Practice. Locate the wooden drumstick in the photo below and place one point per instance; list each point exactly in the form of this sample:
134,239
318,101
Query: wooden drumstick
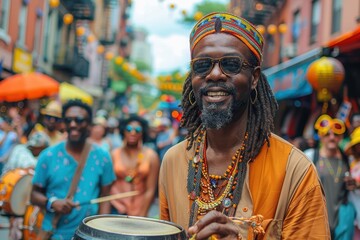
110,197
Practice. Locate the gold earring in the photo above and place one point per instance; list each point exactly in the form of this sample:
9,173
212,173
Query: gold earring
255,99
192,102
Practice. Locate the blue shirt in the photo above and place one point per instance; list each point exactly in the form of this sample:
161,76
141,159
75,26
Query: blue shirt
54,172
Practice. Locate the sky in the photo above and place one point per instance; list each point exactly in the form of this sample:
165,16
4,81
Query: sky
169,38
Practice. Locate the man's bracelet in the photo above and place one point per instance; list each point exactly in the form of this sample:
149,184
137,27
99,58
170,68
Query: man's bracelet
49,203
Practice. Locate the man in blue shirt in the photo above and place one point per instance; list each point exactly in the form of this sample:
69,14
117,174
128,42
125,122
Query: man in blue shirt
55,170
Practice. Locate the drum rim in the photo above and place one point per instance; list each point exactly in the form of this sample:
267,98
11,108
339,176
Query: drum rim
84,228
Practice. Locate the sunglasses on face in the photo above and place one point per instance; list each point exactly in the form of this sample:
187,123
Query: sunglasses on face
229,65
137,129
78,120
49,118
325,123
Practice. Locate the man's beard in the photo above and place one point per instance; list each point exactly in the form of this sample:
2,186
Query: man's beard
215,117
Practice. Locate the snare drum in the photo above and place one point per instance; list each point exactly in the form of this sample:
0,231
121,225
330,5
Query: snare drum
33,219
15,189
127,227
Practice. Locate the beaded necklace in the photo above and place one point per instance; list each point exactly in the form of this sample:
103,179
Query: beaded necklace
201,185
131,173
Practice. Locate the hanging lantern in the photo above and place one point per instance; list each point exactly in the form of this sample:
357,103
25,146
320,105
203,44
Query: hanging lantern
68,18
119,60
54,3
271,29
326,76
282,28
80,31
109,55
261,29
100,49
198,16
91,38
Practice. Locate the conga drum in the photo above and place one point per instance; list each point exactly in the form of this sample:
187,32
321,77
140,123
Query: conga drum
15,188
113,227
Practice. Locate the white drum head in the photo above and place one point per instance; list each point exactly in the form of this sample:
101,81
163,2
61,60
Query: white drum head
133,226
21,195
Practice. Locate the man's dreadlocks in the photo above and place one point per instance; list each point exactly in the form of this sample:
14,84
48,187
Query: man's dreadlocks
260,121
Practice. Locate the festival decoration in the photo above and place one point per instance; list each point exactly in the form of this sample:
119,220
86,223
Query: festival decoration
54,3
326,76
68,18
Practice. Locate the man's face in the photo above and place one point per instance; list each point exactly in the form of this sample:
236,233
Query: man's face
222,97
36,150
77,124
331,140
51,122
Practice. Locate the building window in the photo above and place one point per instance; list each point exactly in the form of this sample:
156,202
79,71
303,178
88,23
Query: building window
295,31
4,14
336,15
315,20
22,25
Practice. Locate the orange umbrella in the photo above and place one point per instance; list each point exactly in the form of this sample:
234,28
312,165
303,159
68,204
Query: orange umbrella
27,86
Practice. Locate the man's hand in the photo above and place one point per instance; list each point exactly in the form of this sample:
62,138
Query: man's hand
63,206
217,225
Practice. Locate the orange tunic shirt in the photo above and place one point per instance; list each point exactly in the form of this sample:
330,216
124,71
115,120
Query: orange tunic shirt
303,216
129,205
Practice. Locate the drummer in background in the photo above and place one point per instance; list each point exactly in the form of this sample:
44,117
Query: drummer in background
136,167
56,168
51,122
24,156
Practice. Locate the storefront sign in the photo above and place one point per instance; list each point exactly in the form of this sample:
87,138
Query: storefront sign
22,61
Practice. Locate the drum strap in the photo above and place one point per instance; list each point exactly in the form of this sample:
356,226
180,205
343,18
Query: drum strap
76,178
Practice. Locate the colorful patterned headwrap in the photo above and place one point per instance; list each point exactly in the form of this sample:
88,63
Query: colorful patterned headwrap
236,26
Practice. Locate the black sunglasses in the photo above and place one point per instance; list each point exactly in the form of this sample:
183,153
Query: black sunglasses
229,65
129,128
49,118
78,120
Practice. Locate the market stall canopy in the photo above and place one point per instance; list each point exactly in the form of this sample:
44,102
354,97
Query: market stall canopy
23,86
347,42
69,91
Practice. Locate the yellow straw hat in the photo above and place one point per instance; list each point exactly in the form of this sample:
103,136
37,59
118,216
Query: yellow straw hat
354,139
53,108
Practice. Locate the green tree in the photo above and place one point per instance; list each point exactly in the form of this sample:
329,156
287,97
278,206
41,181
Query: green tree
205,7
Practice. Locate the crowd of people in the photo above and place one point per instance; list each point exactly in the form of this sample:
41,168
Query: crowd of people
123,157
228,176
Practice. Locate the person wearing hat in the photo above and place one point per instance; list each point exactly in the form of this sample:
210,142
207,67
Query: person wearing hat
332,165
24,156
113,133
233,178
51,120
353,151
